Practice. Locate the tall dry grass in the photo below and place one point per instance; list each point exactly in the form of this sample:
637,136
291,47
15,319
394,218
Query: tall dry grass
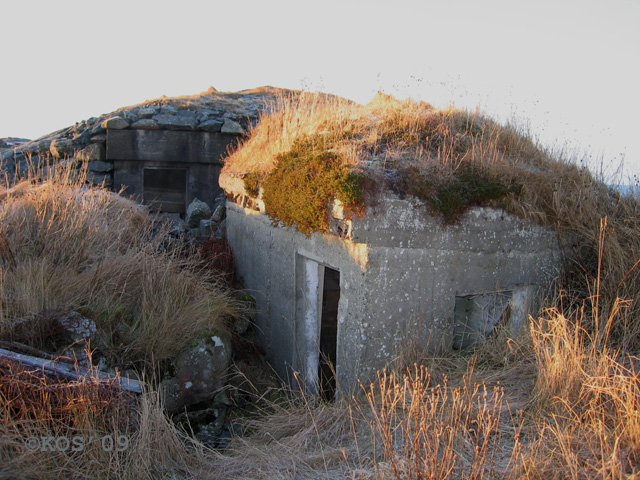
86,429
67,246
436,431
387,134
588,397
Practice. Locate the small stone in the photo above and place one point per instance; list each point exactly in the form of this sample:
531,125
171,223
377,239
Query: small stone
129,116
82,139
99,166
204,115
187,113
196,211
60,147
168,110
148,112
231,126
218,213
98,179
99,138
44,145
97,129
146,124
211,126
115,123
205,228
95,151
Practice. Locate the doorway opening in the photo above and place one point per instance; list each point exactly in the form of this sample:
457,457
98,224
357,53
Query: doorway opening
317,304
329,334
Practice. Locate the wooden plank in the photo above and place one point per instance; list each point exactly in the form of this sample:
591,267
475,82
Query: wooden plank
71,372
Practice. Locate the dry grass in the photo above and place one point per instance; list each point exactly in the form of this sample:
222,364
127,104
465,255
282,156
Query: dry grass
85,429
436,432
298,440
588,395
561,402
65,246
390,135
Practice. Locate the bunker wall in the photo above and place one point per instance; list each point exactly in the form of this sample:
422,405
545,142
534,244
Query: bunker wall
399,278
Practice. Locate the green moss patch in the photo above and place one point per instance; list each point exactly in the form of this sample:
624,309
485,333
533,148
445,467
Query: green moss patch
469,186
303,185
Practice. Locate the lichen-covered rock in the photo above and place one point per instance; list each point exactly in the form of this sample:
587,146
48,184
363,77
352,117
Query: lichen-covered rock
231,126
199,374
77,326
196,211
92,152
145,124
60,147
98,166
114,123
176,122
210,126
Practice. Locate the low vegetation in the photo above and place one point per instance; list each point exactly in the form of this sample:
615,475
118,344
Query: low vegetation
65,246
559,402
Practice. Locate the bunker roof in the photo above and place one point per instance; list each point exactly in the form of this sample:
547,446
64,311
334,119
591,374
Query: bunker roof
308,150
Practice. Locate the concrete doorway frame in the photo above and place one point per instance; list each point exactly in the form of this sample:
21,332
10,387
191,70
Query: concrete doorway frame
310,292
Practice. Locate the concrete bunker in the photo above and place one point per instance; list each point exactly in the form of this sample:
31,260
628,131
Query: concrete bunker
167,169
395,277
335,306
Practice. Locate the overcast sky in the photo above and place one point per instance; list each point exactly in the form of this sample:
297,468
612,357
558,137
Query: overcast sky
566,69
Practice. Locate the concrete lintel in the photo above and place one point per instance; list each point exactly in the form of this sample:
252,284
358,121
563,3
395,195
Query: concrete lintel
169,146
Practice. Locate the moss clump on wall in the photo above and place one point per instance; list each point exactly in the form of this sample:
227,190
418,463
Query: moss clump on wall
252,184
469,186
302,186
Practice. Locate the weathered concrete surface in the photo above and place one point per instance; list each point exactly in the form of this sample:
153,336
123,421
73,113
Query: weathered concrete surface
194,156
167,146
400,273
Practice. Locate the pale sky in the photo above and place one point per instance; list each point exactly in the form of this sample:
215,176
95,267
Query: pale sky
566,69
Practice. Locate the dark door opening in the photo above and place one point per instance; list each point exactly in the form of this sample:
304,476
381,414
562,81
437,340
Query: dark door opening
329,334
165,189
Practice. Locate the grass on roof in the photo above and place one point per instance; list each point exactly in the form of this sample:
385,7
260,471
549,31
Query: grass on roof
309,149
